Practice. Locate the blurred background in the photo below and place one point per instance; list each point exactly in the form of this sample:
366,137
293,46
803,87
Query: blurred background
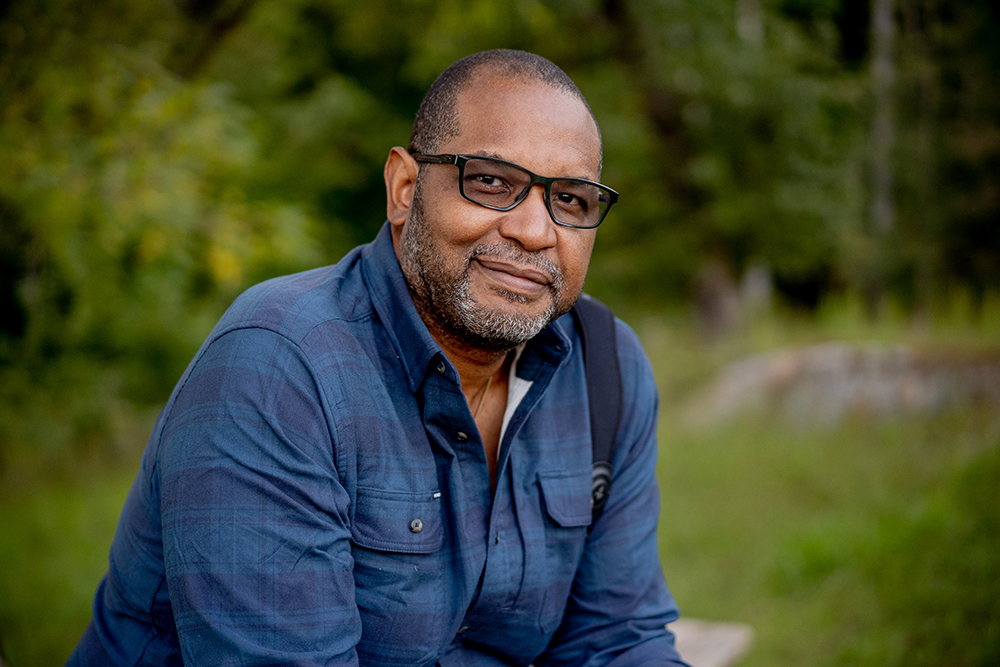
808,243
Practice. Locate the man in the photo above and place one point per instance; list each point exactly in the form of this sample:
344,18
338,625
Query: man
388,461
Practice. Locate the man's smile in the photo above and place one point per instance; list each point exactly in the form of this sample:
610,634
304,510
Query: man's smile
514,278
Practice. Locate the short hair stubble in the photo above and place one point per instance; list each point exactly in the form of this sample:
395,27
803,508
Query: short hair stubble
437,119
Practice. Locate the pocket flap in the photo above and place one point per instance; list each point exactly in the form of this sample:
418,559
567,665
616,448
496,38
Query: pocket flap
567,497
398,521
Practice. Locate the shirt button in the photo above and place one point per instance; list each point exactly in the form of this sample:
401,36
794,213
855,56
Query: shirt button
416,526
462,630
441,367
461,436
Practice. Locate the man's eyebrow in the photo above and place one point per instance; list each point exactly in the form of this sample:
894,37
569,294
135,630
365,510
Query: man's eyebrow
482,153
493,155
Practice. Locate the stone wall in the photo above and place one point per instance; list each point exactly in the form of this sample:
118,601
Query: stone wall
823,384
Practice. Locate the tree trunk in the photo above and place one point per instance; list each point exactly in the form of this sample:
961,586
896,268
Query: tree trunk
883,75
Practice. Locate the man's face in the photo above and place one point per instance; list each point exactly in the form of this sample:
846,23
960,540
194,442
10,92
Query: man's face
490,280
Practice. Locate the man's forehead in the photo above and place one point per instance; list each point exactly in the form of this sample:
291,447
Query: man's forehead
514,112
486,86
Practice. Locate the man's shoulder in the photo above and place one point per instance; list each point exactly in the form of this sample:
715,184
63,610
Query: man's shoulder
295,304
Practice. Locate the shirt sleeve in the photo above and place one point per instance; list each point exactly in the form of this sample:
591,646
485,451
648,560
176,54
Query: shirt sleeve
619,604
255,527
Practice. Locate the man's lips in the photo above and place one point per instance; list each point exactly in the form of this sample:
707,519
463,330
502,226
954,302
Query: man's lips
515,278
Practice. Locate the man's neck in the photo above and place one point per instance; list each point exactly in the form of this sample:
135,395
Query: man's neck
475,366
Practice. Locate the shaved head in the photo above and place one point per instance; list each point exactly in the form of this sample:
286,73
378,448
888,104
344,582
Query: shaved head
437,120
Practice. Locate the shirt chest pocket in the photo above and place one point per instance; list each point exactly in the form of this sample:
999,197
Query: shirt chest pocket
400,522
565,501
400,574
566,497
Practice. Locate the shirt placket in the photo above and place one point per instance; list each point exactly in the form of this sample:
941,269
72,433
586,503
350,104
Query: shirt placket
504,570
464,476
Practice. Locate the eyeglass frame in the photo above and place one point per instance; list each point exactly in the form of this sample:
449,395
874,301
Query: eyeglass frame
459,160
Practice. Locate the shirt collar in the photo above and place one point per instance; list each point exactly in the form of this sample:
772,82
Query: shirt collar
391,298
416,348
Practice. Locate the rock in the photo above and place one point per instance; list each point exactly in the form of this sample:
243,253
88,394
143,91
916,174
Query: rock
824,384
710,643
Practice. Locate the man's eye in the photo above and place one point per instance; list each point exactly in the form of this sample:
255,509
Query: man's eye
567,200
486,182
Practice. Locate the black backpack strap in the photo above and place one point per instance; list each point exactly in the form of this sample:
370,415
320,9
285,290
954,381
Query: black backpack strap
596,324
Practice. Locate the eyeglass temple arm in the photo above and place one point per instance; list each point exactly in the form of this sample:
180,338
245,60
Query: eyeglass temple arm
435,159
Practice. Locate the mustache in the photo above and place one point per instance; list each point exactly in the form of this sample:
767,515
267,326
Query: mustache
513,254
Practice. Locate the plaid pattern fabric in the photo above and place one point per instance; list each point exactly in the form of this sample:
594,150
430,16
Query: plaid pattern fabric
315,493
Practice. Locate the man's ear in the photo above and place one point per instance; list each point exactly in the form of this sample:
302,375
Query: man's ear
400,181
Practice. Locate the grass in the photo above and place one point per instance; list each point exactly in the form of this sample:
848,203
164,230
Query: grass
793,529
777,527
789,529
53,552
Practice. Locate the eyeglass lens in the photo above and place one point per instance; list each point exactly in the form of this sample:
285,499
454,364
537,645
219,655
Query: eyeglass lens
501,185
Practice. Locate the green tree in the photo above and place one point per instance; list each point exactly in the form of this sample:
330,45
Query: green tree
128,223
158,158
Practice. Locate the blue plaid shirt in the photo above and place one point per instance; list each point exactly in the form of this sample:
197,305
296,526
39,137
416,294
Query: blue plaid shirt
315,492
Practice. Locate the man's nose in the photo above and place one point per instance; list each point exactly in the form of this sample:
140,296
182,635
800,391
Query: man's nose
529,223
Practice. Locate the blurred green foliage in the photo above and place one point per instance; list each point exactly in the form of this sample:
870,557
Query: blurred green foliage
868,542
157,158
861,545
53,552
937,574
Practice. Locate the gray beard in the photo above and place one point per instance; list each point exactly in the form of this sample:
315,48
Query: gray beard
446,300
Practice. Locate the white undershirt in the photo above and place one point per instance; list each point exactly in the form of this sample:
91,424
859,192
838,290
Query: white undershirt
517,389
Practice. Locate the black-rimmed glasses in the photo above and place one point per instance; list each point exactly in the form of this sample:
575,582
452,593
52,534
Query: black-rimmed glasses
501,185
